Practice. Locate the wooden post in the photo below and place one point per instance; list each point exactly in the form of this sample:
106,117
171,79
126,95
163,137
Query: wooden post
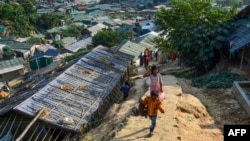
30,124
242,58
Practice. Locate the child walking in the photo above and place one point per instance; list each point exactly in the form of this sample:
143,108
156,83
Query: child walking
156,81
153,105
125,89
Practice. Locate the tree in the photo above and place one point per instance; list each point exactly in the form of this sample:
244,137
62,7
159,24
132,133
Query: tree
107,38
33,40
47,21
28,6
196,30
73,31
7,11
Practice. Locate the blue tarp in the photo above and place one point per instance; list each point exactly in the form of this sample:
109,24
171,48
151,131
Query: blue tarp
52,52
49,52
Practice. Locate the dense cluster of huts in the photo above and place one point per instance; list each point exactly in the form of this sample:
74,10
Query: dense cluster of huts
71,102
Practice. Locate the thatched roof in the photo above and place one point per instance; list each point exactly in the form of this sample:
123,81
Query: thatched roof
78,92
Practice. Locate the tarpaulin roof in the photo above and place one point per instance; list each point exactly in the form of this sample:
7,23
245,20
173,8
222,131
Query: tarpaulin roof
49,52
78,92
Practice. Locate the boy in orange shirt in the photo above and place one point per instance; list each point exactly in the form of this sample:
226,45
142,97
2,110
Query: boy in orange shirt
153,105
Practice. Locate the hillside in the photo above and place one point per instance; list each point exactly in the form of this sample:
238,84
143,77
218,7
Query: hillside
192,114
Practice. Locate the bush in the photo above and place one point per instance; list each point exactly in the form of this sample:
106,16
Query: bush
217,80
187,73
75,55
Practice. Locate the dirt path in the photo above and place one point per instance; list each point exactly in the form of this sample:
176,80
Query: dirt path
137,127
186,117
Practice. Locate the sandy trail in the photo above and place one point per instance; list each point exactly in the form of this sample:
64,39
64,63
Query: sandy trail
185,119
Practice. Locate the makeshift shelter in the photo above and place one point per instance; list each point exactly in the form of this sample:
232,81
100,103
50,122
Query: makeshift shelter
44,47
106,20
11,69
131,48
40,61
66,41
94,29
21,49
73,100
150,26
239,40
147,40
79,45
45,10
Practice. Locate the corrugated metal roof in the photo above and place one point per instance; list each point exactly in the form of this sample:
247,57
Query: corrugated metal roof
65,27
94,29
10,42
11,63
45,10
81,17
106,20
68,41
79,45
97,13
88,82
241,37
147,41
132,48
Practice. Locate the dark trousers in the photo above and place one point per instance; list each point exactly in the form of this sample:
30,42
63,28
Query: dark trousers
125,96
153,123
141,62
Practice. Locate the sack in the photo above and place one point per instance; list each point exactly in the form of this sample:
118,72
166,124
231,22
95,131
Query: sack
161,96
140,111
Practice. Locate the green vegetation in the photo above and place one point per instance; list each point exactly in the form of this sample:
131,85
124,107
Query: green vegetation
106,38
75,55
24,20
196,30
47,21
217,80
73,31
33,40
186,73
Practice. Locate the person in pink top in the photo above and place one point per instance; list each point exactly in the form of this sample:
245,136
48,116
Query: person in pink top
156,81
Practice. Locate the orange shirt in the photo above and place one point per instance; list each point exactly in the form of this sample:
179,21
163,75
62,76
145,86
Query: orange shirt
153,106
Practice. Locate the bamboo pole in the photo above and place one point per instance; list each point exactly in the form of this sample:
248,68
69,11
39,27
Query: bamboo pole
30,124
34,131
6,125
18,126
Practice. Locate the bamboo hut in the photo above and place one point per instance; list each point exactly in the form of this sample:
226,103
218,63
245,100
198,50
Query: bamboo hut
73,101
